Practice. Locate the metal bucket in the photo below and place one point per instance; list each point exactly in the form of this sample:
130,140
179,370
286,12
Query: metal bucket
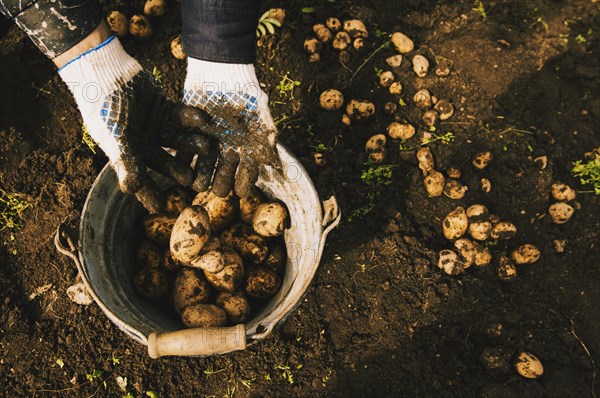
105,260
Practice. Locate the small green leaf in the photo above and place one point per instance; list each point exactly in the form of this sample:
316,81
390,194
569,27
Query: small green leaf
152,394
269,27
308,10
60,363
262,30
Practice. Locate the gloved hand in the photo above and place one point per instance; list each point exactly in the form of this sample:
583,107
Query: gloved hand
127,114
231,95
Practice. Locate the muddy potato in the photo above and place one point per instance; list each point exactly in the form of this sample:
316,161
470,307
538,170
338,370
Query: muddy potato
235,306
486,185
154,8
402,43
277,257
270,219
358,43
455,223
420,65
261,282
177,200
454,189
249,245
117,22
425,159
158,227
377,157
434,183
422,99
203,315
483,257
151,284
230,277
341,41
386,78
312,45
503,230
331,99
211,261
482,159
394,61
360,110
190,233
140,27
316,57
390,108
450,263
466,249
248,206
346,120
444,108
525,254
148,254
559,245
528,365
453,172
221,211
375,143
395,88
562,192
177,48
443,66
190,288
333,24
560,212
319,159
507,271
356,28
169,263
322,32
477,212
430,118
480,230
401,131
277,14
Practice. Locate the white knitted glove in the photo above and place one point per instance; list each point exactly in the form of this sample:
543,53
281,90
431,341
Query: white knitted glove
231,95
127,114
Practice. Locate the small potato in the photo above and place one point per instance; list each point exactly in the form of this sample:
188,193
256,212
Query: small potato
486,185
322,32
277,257
248,206
377,157
454,172
375,143
420,65
395,88
333,24
450,263
169,263
434,183
507,271
360,110
480,230
356,28
477,213
151,284
277,14
235,306
177,201
358,43
503,230
455,224
270,219
148,254
386,78
203,315
454,189
430,118
562,192
560,212
158,227
425,159
221,211
211,261
249,245
390,108
529,366
315,57
482,159
190,288
312,45
177,48
402,43
140,27
155,8
117,22
261,282
525,254
422,99
444,108
483,257
402,131
190,233
331,99
230,276
341,41
394,61
466,249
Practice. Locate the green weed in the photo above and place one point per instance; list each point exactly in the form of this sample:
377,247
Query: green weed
156,73
480,8
286,86
286,373
266,24
375,177
95,375
12,207
589,171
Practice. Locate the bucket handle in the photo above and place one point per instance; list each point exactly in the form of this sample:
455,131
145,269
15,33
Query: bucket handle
331,217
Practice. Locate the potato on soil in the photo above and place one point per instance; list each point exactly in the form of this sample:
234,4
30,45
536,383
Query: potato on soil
402,43
434,183
177,200
331,99
322,32
117,22
507,271
277,257
235,306
482,159
450,263
377,157
230,277
203,315
277,14
503,230
394,61
402,131
177,48
221,211
270,219
190,233
154,8
528,366
455,223
341,41
360,110
169,263
314,57
466,249
158,227
420,65
430,118
453,172
356,28
386,78
395,88
483,257
151,284
243,239
477,212
562,192
480,230
140,27
422,99
375,143
148,254
358,43
390,108
425,159
525,254
560,212
333,24
444,108
486,185
312,45
248,206
190,288
443,66
454,189
261,282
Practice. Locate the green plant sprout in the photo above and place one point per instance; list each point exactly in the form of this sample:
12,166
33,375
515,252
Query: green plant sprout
375,177
589,172
580,39
209,371
286,373
95,375
480,8
12,207
266,24
156,73
444,138
378,71
286,86
325,379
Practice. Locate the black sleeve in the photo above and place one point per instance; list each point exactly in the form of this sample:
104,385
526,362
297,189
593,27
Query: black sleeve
220,30
54,25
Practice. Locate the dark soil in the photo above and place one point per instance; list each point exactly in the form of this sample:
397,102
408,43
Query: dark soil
380,319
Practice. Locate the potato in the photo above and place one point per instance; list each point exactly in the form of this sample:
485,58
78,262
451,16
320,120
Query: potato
450,263
420,65
177,48
486,185
503,230
395,88
560,212
154,8
454,172
402,43
221,211
151,284
430,118
158,227
507,271
402,131
213,243
525,254
434,183
422,99
190,233
466,249
360,110
245,242
319,159
203,315
394,61
341,41
482,159
480,230
277,257
333,24
322,32
483,257
117,22
235,306
140,27
312,45
377,157
148,254
228,279
444,108
355,28
375,143
212,261
169,263
270,219
425,159
190,288
331,99
562,192
248,206
315,57
455,224
177,201
358,43
386,78
454,189
277,14
477,213
390,108
559,245
528,365
261,282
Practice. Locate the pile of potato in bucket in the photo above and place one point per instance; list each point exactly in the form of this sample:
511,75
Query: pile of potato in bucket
216,258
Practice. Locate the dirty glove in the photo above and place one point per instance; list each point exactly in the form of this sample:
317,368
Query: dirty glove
126,113
231,95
